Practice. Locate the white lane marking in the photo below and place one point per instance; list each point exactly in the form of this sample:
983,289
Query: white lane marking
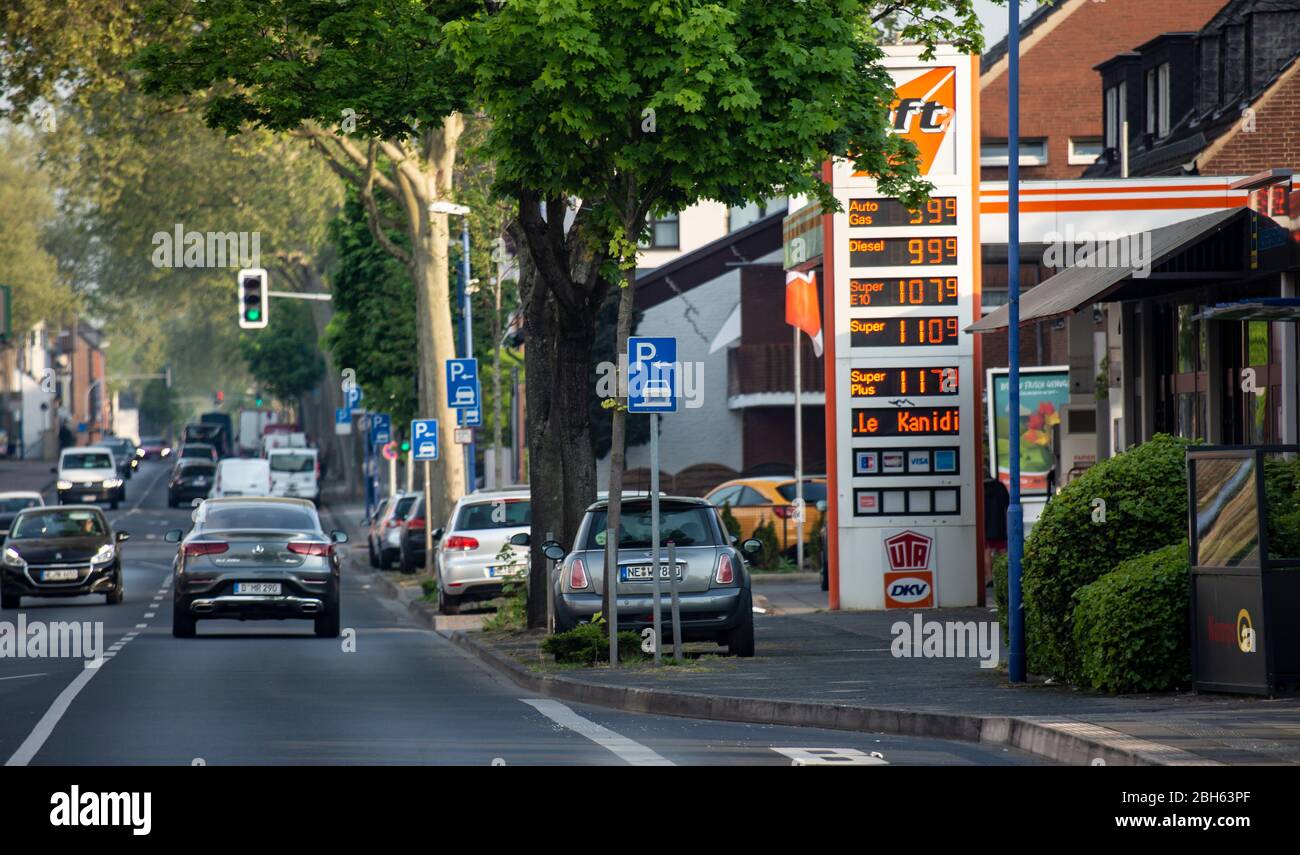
25,676
147,491
149,614
142,626
633,752
832,757
46,725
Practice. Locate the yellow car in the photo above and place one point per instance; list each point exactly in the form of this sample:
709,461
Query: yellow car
754,501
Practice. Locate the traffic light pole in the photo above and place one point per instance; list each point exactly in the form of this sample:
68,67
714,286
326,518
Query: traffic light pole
467,333
1016,671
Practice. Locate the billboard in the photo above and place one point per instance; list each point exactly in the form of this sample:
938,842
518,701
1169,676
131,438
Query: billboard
1044,396
904,284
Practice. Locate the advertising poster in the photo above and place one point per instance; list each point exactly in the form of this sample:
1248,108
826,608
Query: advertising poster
1044,395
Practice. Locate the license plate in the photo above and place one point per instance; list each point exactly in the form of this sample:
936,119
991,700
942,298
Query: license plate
58,575
257,588
200,481
503,570
644,572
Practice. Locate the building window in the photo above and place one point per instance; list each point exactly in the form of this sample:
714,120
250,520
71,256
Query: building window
738,218
665,233
1158,112
1116,114
1032,153
1084,151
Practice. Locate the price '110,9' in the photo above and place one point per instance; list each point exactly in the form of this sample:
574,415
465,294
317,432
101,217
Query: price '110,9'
903,332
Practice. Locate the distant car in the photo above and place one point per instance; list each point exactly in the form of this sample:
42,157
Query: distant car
191,479
61,552
385,531
89,474
295,472
13,501
755,501
256,559
153,447
123,454
410,551
474,556
242,477
200,450
716,602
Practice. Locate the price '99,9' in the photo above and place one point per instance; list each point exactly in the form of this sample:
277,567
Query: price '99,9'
902,251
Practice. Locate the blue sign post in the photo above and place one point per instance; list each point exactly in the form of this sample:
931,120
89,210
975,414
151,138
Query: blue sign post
652,375
342,421
424,439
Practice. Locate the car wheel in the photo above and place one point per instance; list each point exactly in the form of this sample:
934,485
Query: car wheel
327,625
115,596
9,601
447,604
740,641
182,621
370,548
112,506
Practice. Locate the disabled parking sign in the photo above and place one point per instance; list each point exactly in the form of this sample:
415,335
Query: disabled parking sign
652,375
424,439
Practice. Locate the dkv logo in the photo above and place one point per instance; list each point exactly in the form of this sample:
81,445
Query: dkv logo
909,581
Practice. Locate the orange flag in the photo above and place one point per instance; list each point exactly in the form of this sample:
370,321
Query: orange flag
801,307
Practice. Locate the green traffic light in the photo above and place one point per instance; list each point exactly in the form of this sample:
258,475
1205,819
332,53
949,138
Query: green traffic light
406,446
254,314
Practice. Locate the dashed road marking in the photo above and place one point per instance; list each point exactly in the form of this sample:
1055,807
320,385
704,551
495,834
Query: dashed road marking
630,750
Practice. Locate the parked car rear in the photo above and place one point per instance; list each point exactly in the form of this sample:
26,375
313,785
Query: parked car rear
474,556
385,531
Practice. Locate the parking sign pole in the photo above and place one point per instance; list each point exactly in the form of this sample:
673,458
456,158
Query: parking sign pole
611,588
654,534
676,605
428,525
550,590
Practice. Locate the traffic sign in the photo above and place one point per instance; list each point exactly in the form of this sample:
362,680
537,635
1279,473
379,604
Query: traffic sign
352,397
464,435
381,428
469,417
424,439
342,421
652,375
389,451
462,383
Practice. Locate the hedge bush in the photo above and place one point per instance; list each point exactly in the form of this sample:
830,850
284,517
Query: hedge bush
1282,498
1000,562
1145,490
1130,626
588,643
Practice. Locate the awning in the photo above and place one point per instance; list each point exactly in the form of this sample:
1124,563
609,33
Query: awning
1082,285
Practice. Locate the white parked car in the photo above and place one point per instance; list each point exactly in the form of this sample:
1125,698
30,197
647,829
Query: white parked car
242,477
474,556
295,473
89,474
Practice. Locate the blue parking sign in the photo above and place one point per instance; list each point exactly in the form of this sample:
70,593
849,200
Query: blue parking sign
424,439
469,417
462,383
652,375
353,397
381,428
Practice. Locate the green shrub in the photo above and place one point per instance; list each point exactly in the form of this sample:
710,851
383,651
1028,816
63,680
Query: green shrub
1130,626
1145,490
769,558
1000,594
729,520
1282,501
588,643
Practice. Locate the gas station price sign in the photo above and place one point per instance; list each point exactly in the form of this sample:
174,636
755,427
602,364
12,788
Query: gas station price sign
905,421
928,331
884,211
905,291
900,382
902,251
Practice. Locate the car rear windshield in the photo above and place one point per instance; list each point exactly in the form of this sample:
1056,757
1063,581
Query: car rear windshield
202,469
261,516
684,525
503,513
403,506
293,462
57,524
813,491
13,505
87,461
196,451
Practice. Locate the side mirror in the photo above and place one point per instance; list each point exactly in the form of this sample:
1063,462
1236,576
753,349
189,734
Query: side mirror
339,536
437,534
520,539
174,536
753,546
553,550
121,536
194,503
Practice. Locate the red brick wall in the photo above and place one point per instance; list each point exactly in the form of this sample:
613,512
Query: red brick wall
1275,140
1060,94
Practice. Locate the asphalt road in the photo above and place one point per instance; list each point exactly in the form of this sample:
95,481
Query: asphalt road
271,693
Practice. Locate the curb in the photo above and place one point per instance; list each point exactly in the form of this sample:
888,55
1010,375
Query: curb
1062,740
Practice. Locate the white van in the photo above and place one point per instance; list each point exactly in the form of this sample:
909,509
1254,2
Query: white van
242,477
295,473
89,474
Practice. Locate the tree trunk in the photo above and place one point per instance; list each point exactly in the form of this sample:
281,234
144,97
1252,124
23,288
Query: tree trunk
617,448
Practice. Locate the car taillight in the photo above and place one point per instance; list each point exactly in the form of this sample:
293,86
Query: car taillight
306,547
785,512
395,522
415,523
725,575
459,541
206,547
578,574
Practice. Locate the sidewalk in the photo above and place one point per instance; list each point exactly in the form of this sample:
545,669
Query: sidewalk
26,475
831,669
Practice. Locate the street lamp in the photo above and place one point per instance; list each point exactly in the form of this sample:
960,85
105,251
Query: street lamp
442,206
